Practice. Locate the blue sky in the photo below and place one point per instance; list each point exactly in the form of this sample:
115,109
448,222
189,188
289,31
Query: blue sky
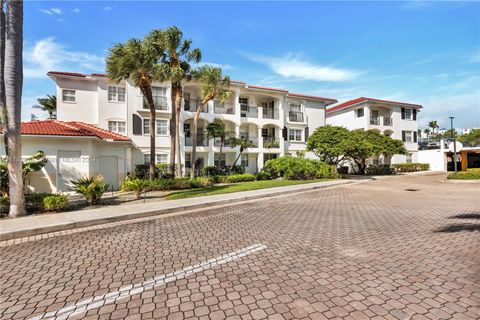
416,51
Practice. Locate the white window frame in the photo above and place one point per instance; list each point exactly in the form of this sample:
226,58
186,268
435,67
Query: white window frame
157,127
409,134
116,95
409,158
244,160
70,95
158,160
360,109
146,124
146,158
408,114
116,126
295,135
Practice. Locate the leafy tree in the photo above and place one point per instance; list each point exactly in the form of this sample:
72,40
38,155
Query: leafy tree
138,60
32,164
329,143
217,129
176,68
470,139
212,84
48,104
434,125
13,81
241,142
427,132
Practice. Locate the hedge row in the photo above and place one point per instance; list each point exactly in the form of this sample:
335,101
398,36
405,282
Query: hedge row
38,202
411,167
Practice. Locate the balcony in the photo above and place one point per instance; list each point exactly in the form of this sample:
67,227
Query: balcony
222,108
375,121
202,141
192,105
270,114
271,143
253,140
388,122
295,116
247,111
160,103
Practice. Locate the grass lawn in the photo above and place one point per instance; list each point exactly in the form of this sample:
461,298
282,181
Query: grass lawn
242,186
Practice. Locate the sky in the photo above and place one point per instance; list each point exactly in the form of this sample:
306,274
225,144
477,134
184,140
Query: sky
416,51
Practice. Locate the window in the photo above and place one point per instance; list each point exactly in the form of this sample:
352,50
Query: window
295,135
146,126
408,136
187,130
146,158
408,114
188,160
244,160
295,107
159,91
217,159
116,126
161,158
116,94
360,112
162,127
409,158
68,95
243,101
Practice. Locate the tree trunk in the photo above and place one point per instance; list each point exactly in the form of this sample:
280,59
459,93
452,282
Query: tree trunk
238,157
220,155
178,108
147,93
194,141
13,74
3,110
171,167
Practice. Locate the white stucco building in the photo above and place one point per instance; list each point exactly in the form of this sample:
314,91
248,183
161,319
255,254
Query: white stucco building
277,121
395,119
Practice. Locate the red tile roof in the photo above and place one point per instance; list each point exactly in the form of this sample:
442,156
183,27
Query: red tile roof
70,128
310,97
364,99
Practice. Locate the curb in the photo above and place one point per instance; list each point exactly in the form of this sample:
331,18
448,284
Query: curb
68,225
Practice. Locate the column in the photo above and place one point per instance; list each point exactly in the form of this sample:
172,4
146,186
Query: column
260,161
210,158
281,140
260,138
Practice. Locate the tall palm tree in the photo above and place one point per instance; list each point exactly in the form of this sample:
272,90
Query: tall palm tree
243,143
138,60
3,107
48,104
217,129
434,125
177,69
427,132
212,84
13,77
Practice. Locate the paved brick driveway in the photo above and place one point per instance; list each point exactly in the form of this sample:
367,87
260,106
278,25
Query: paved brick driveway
372,250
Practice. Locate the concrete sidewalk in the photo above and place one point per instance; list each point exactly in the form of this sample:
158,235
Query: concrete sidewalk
46,223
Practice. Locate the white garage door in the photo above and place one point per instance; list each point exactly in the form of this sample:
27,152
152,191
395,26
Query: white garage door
68,168
108,168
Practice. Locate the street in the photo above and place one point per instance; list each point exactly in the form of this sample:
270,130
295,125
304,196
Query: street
401,247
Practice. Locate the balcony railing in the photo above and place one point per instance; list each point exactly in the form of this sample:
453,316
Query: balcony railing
223,109
295,116
388,122
253,140
192,105
269,113
159,102
202,140
247,111
271,143
375,121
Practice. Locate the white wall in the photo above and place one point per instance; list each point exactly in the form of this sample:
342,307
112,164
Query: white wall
85,107
436,158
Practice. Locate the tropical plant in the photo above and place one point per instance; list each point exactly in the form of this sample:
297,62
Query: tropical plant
427,133
262,175
329,143
241,142
137,186
138,61
217,130
91,188
212,84
13,81
33,163
176,68
434,125
55,202
471,139
293,168
48,104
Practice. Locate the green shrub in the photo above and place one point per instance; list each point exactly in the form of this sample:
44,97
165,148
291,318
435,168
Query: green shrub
136,186
211,171
465,175
411,167
235,169
55,202
34,202
201,182
474,170
91,188
291,168
240,178
379,170
262,175
142,171
4,205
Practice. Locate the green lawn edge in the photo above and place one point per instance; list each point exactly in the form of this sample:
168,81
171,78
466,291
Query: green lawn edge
236,187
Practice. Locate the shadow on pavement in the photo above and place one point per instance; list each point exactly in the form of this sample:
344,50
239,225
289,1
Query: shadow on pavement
459,227
467,216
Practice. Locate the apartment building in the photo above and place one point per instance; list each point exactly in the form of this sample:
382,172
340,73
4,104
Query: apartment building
276,121
395,119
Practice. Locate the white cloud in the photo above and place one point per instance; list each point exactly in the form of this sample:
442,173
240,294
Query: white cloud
76,10
52,11
47,55
107,8
292,66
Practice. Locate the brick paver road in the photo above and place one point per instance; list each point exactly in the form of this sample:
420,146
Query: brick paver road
372,250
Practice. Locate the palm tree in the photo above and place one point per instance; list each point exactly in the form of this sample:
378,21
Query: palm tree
212,84
138,60
427,132
13,79
243,143
48,104
176,68
3,107
434,125
217,129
